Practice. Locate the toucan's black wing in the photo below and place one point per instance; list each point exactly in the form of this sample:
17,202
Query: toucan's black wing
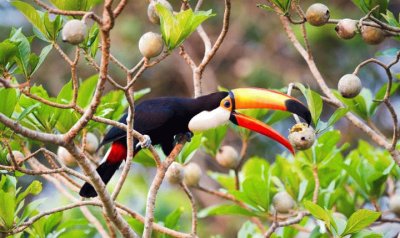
150,115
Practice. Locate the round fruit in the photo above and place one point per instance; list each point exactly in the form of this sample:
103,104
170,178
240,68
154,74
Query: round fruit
302,136
228,157
349,85
175,173
151,44
317,14
394,204
92,143
66,157
74,32
18,156
372,35
192,174
346,28
152,12
283,202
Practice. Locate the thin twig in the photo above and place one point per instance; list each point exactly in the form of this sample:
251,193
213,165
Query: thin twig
155,185
193,205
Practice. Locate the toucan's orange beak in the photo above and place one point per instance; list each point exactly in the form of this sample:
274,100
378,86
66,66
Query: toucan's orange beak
247,98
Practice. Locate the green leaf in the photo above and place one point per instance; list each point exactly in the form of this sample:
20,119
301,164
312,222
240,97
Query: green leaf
249,230
171,221
224,209
24,51
8,50
189,149
256,167
34,188
52,221
43,54
319,213
31,14
359,220
175,28
139,94
225,180
52,27
265,7
360,105
314,102
366,234
380,95
337,115
214,139
30,210
257,190
86,90
74,5
8,99
7,209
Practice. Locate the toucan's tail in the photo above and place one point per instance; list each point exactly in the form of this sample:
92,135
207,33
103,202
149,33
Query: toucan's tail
106,171
114,158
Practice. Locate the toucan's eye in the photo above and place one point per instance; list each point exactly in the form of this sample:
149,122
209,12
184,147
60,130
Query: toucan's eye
227,104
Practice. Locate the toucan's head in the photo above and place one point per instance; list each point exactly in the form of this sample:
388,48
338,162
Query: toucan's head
247,98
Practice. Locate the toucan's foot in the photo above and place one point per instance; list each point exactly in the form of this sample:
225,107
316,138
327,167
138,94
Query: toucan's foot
146,143
187,135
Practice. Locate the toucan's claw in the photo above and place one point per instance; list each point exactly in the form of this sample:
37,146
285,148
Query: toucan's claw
146,143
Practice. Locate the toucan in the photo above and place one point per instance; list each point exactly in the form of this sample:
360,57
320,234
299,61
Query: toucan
161,119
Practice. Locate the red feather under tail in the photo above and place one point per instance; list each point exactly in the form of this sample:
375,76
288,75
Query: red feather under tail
114,157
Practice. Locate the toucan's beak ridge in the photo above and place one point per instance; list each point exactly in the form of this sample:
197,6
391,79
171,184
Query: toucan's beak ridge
298,108
247,98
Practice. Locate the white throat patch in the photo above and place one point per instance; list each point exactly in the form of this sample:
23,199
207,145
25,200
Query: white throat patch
209,119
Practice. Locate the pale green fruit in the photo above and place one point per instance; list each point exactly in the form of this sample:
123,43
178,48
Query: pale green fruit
151,44
92,143
67,158
175,173
283,202
349,85
317,14
74,32
394,204
346,28
18,156
228,157
152,12
192,174
372,35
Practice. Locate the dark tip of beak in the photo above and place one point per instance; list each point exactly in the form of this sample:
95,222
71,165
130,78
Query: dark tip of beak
299,109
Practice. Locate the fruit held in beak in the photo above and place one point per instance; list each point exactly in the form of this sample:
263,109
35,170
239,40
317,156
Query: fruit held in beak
301,136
